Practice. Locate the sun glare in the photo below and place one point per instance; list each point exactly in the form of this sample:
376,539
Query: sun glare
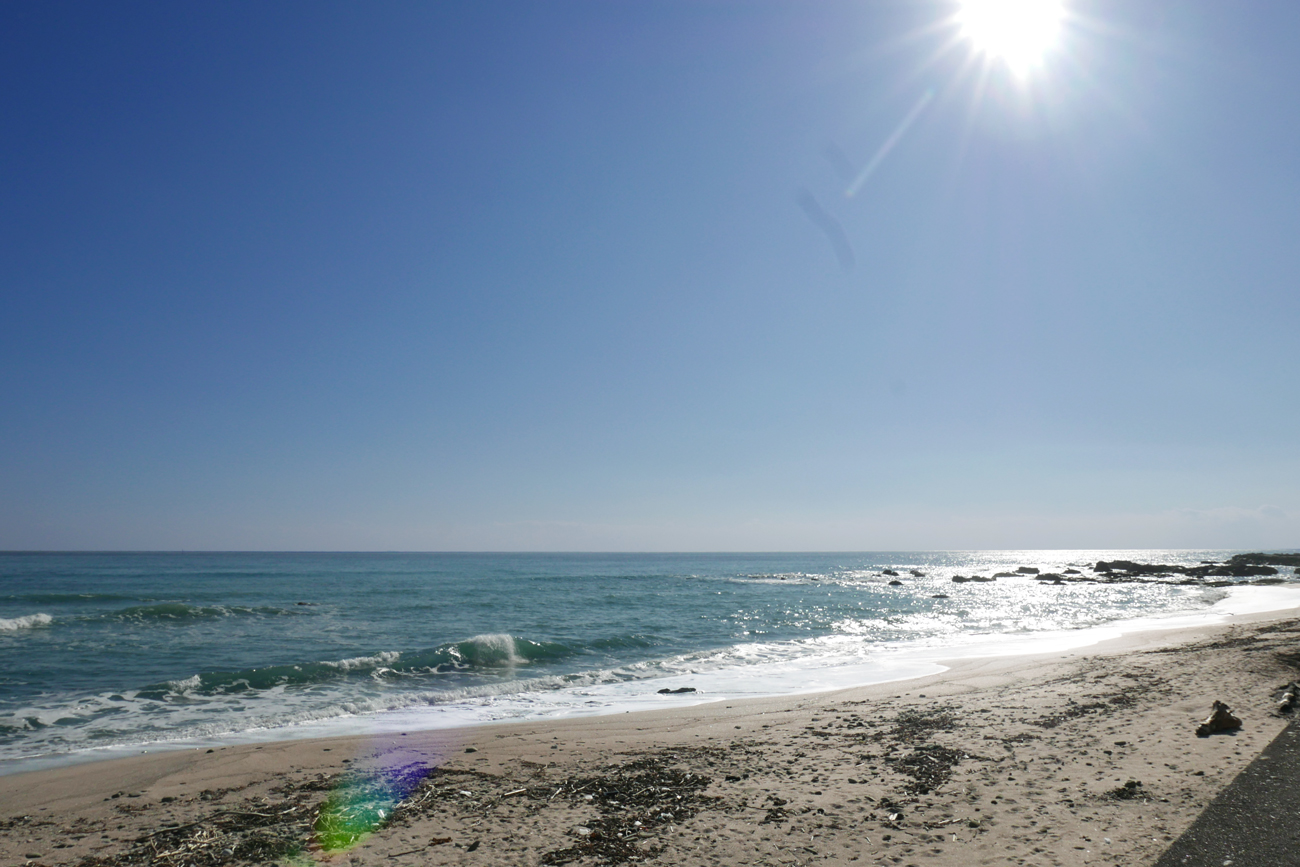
1019,32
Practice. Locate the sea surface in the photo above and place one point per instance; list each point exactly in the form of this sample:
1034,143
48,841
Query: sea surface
109,654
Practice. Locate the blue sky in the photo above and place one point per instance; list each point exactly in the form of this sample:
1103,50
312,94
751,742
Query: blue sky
537,276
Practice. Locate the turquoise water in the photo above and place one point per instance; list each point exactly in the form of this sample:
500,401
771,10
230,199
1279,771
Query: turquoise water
116,650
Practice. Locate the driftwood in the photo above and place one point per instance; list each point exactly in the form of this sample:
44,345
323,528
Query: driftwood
1219,720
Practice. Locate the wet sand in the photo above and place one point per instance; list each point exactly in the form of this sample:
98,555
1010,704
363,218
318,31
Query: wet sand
1084,757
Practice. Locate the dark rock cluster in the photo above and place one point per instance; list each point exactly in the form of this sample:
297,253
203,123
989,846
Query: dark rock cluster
1231,569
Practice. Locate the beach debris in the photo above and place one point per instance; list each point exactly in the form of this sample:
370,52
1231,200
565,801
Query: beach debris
1127,792
1286,702
632,802
916,726
680,690
929,766
893,811
1219,720
1074,710
775,813
433,841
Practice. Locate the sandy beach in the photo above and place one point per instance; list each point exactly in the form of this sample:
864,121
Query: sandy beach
1085,757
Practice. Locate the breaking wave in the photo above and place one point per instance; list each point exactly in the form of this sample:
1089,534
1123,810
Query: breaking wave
30,621
480,654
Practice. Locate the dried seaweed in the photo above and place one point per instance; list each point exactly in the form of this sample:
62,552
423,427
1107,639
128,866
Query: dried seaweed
632,802
263,831
1073,710
23,822
914,726
1130,791
929,766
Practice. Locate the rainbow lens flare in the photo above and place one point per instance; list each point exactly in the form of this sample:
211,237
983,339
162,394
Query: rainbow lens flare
362,803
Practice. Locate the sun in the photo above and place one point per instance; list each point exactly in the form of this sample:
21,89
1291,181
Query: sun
1018,32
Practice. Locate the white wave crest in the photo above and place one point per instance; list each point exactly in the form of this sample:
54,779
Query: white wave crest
186,684
500,643
382,658
30,621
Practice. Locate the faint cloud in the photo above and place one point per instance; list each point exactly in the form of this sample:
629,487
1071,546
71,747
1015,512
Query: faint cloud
1235,514
830,227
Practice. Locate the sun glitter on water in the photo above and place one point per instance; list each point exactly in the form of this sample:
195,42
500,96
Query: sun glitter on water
1018,32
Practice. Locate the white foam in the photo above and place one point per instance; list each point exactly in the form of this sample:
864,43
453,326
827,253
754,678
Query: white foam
185,684
383,658
30,621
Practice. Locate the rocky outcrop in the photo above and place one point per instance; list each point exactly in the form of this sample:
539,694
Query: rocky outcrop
1206,570
1265,559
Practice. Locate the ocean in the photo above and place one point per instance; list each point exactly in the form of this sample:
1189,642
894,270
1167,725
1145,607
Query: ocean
112,654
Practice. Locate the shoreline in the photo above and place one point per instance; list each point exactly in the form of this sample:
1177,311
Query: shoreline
894,664
994,760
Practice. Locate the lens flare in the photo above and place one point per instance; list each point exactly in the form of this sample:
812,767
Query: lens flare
380,780
1018,32
362,804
